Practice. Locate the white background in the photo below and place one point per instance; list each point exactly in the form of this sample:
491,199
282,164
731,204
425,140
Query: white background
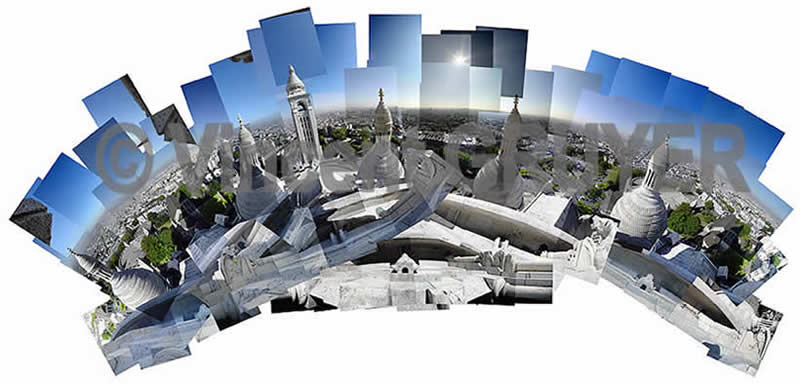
56,53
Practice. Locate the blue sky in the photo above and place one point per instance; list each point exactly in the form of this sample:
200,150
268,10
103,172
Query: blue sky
568,85
481,46
455,49
242,90
537,95
627,78
633,92
205,104
164,155
64,233
263,67
338,44
67,190
445,85
510,48
291,39
485,85
114,101
87,150
752,168
604,65
639,82
362,84
396,41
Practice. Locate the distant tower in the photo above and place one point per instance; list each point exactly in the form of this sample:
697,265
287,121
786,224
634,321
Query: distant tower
92,266
305,123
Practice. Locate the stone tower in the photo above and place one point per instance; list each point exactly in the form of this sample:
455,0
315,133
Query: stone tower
305,122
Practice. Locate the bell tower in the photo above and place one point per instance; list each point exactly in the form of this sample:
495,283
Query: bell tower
305,122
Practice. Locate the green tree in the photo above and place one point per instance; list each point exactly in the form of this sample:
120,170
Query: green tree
217,204
114,260
586,209
683,222
158,247
594,193
573,151
612,180
604,165
365,135
546,164
744,234
159,221
214,187
184,190
128,236
339,133
728,207
464,160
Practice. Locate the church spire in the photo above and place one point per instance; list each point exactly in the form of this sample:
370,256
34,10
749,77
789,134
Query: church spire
294,86
657,166
92,266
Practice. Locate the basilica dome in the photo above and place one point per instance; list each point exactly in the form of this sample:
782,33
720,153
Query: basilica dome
499,181
498,184
137,286
380,166
642,212
257,188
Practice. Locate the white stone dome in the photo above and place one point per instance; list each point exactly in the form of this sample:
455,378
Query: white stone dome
257,188
381,165
499,181
497,185
251,202
642,214
137,286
